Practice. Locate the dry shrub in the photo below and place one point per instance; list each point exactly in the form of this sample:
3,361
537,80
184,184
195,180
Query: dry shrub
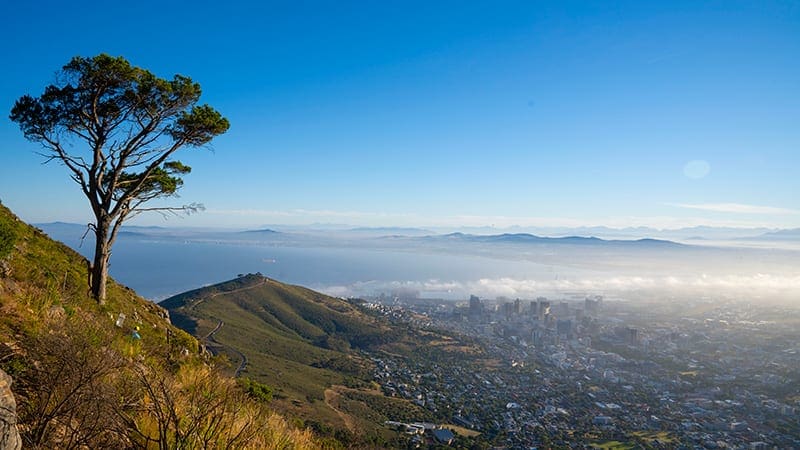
199,408
67,392
81,385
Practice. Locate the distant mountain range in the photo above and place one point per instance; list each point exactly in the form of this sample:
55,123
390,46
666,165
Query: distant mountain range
401,231
525,238
792,234
595,236
688,233
261,231
606,234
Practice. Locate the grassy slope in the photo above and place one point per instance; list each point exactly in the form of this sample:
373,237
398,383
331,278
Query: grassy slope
43,283
301,342
47,275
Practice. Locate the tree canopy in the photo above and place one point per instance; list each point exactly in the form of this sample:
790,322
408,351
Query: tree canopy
116,127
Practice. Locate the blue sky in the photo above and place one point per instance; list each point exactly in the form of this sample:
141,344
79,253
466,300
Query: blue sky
663,114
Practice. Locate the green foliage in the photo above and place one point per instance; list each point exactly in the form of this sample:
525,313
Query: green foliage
106,96
183,340
113,90
345,364
390,408
131,122
200,125
336,438
15,366
8,236
332,343
159,182
256,390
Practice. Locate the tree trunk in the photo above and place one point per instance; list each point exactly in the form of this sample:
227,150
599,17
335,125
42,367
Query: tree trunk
102,252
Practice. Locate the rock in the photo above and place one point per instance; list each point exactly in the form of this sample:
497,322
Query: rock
56,312
5,269
9,436
164,314
159,311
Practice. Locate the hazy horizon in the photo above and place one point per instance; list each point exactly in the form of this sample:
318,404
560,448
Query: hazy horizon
161,262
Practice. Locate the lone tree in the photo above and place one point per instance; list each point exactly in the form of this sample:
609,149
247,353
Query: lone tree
115,127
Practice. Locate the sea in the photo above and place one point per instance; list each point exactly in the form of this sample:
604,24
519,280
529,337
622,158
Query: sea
160,268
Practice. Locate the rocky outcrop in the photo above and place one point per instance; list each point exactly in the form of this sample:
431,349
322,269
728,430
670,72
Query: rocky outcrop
5,269
9,436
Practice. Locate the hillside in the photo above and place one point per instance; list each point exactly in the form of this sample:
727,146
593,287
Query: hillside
307,346
80,378
281,329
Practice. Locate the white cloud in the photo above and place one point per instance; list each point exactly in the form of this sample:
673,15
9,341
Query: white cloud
738,208
760,284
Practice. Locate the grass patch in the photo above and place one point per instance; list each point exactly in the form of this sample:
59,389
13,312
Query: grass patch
651,436
612,445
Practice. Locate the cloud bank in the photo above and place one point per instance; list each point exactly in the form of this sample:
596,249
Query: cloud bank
756,284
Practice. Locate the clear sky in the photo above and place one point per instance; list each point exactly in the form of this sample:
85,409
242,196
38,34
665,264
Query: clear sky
665,114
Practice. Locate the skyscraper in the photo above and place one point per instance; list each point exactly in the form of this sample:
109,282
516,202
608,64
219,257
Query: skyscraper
475,308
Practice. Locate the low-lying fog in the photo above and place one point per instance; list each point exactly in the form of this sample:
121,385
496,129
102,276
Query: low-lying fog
159,262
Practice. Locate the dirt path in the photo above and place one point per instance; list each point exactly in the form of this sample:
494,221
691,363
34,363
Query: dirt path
330,396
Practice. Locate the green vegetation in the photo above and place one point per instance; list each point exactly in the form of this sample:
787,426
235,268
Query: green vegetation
297,341
638,439
8,236
388,408
132,123
258,391
612,445
82,381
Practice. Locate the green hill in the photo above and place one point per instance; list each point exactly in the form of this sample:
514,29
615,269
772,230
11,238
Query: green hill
311,348
82,380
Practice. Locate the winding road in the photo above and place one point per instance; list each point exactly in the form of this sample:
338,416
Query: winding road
210,336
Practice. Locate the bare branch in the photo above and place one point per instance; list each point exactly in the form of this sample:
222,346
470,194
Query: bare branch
168,211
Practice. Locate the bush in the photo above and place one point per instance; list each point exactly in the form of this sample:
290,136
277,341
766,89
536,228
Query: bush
67,385
8,236
256,390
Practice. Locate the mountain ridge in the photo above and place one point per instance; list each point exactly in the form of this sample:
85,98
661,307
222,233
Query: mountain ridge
527,238
602,232
309,347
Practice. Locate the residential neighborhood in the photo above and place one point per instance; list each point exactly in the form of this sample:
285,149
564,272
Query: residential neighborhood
571,373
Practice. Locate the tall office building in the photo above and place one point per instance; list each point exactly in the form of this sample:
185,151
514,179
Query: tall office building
544,309
475,308
591,305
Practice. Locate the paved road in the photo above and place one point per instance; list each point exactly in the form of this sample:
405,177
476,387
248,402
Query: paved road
210,336
242,357
215,294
